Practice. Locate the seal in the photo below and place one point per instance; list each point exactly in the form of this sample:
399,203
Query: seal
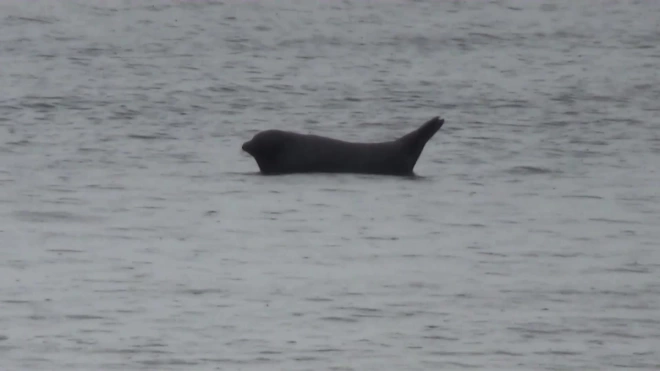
284,152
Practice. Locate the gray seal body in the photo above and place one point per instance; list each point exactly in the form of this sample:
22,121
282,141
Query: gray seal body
283,152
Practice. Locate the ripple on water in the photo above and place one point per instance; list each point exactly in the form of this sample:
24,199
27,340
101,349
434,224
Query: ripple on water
55,216
531,170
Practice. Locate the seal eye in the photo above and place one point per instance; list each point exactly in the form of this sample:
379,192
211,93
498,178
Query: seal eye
266,144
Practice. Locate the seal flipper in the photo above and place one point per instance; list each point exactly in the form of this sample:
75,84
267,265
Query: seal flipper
415,141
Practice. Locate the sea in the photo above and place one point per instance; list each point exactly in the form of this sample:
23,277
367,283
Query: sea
136,235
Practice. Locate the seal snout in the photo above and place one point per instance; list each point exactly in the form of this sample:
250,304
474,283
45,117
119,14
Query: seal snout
246,147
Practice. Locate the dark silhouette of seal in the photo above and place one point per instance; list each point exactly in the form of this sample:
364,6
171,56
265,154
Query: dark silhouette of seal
284,152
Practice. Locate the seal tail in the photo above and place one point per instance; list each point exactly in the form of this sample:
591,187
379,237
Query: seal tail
415,141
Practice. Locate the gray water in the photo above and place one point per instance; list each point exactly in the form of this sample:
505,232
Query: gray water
135,235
